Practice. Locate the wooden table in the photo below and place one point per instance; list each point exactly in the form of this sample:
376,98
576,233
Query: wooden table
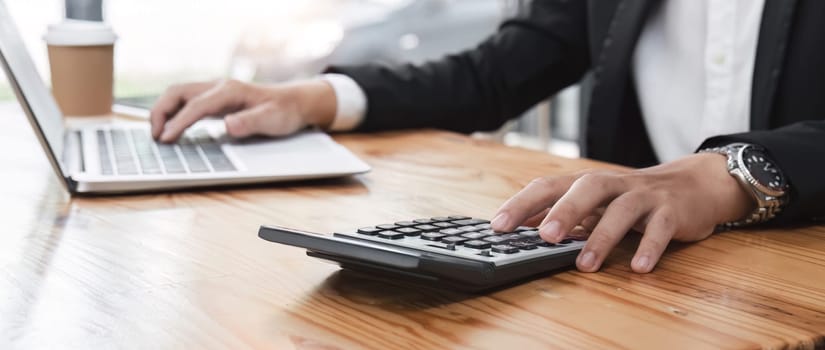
187,270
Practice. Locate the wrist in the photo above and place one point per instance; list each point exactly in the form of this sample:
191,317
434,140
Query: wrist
734,202
316,101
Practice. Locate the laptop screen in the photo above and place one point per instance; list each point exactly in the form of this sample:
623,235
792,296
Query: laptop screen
32,93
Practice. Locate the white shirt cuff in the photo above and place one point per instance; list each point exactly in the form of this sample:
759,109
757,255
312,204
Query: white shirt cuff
351,102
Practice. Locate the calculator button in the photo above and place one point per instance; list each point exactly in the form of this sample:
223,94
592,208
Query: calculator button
450,231
474,235
537,241
470,222
432,236
409,231
427,227
510,236
483,227
456,240
477,244
459,217
405,223
504,249
496,239
524,228
423,221
387,227
529,234
487,232
445,224
371,231
468,228
390,235
523,245
440,218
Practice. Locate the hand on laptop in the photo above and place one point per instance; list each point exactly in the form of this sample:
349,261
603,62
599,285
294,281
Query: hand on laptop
249,109
682,200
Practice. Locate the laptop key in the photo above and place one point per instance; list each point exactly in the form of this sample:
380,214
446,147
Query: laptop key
193,158
103,153
215,155
145,152
170,159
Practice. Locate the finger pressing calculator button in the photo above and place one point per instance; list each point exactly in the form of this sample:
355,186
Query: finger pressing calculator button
387,227
504,249
390,235
477,244
432,236
409,231
405,223
372,231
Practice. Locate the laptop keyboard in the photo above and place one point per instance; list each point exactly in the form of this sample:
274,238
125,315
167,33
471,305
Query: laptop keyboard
134,152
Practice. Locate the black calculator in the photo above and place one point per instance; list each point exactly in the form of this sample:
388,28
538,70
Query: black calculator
453,251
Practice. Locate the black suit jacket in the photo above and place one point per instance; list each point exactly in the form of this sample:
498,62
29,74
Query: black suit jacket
558,41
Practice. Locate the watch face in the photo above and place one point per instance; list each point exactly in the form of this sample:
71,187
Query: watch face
763,169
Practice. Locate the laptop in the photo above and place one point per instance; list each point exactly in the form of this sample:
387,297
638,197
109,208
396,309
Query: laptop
116,158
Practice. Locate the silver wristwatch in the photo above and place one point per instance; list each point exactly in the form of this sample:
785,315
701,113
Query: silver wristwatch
758,174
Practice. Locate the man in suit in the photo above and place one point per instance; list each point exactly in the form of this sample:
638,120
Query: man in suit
717,102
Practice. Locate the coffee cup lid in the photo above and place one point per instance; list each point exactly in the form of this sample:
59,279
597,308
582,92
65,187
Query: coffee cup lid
80,33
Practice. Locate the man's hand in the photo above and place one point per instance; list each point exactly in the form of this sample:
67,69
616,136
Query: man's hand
249,109
682,200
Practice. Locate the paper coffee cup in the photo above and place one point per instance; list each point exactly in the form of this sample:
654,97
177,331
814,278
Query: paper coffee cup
81,58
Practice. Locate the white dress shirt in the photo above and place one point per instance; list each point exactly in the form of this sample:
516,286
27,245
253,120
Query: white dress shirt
693,70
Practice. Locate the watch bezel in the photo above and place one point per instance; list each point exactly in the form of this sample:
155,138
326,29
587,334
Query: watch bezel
746,173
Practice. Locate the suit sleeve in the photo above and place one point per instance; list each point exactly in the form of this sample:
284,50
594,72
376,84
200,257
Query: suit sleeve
799,151
528,59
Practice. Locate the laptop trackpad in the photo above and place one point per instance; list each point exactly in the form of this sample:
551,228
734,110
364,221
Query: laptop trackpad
310,152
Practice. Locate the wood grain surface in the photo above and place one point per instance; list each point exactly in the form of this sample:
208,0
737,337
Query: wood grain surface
187,270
